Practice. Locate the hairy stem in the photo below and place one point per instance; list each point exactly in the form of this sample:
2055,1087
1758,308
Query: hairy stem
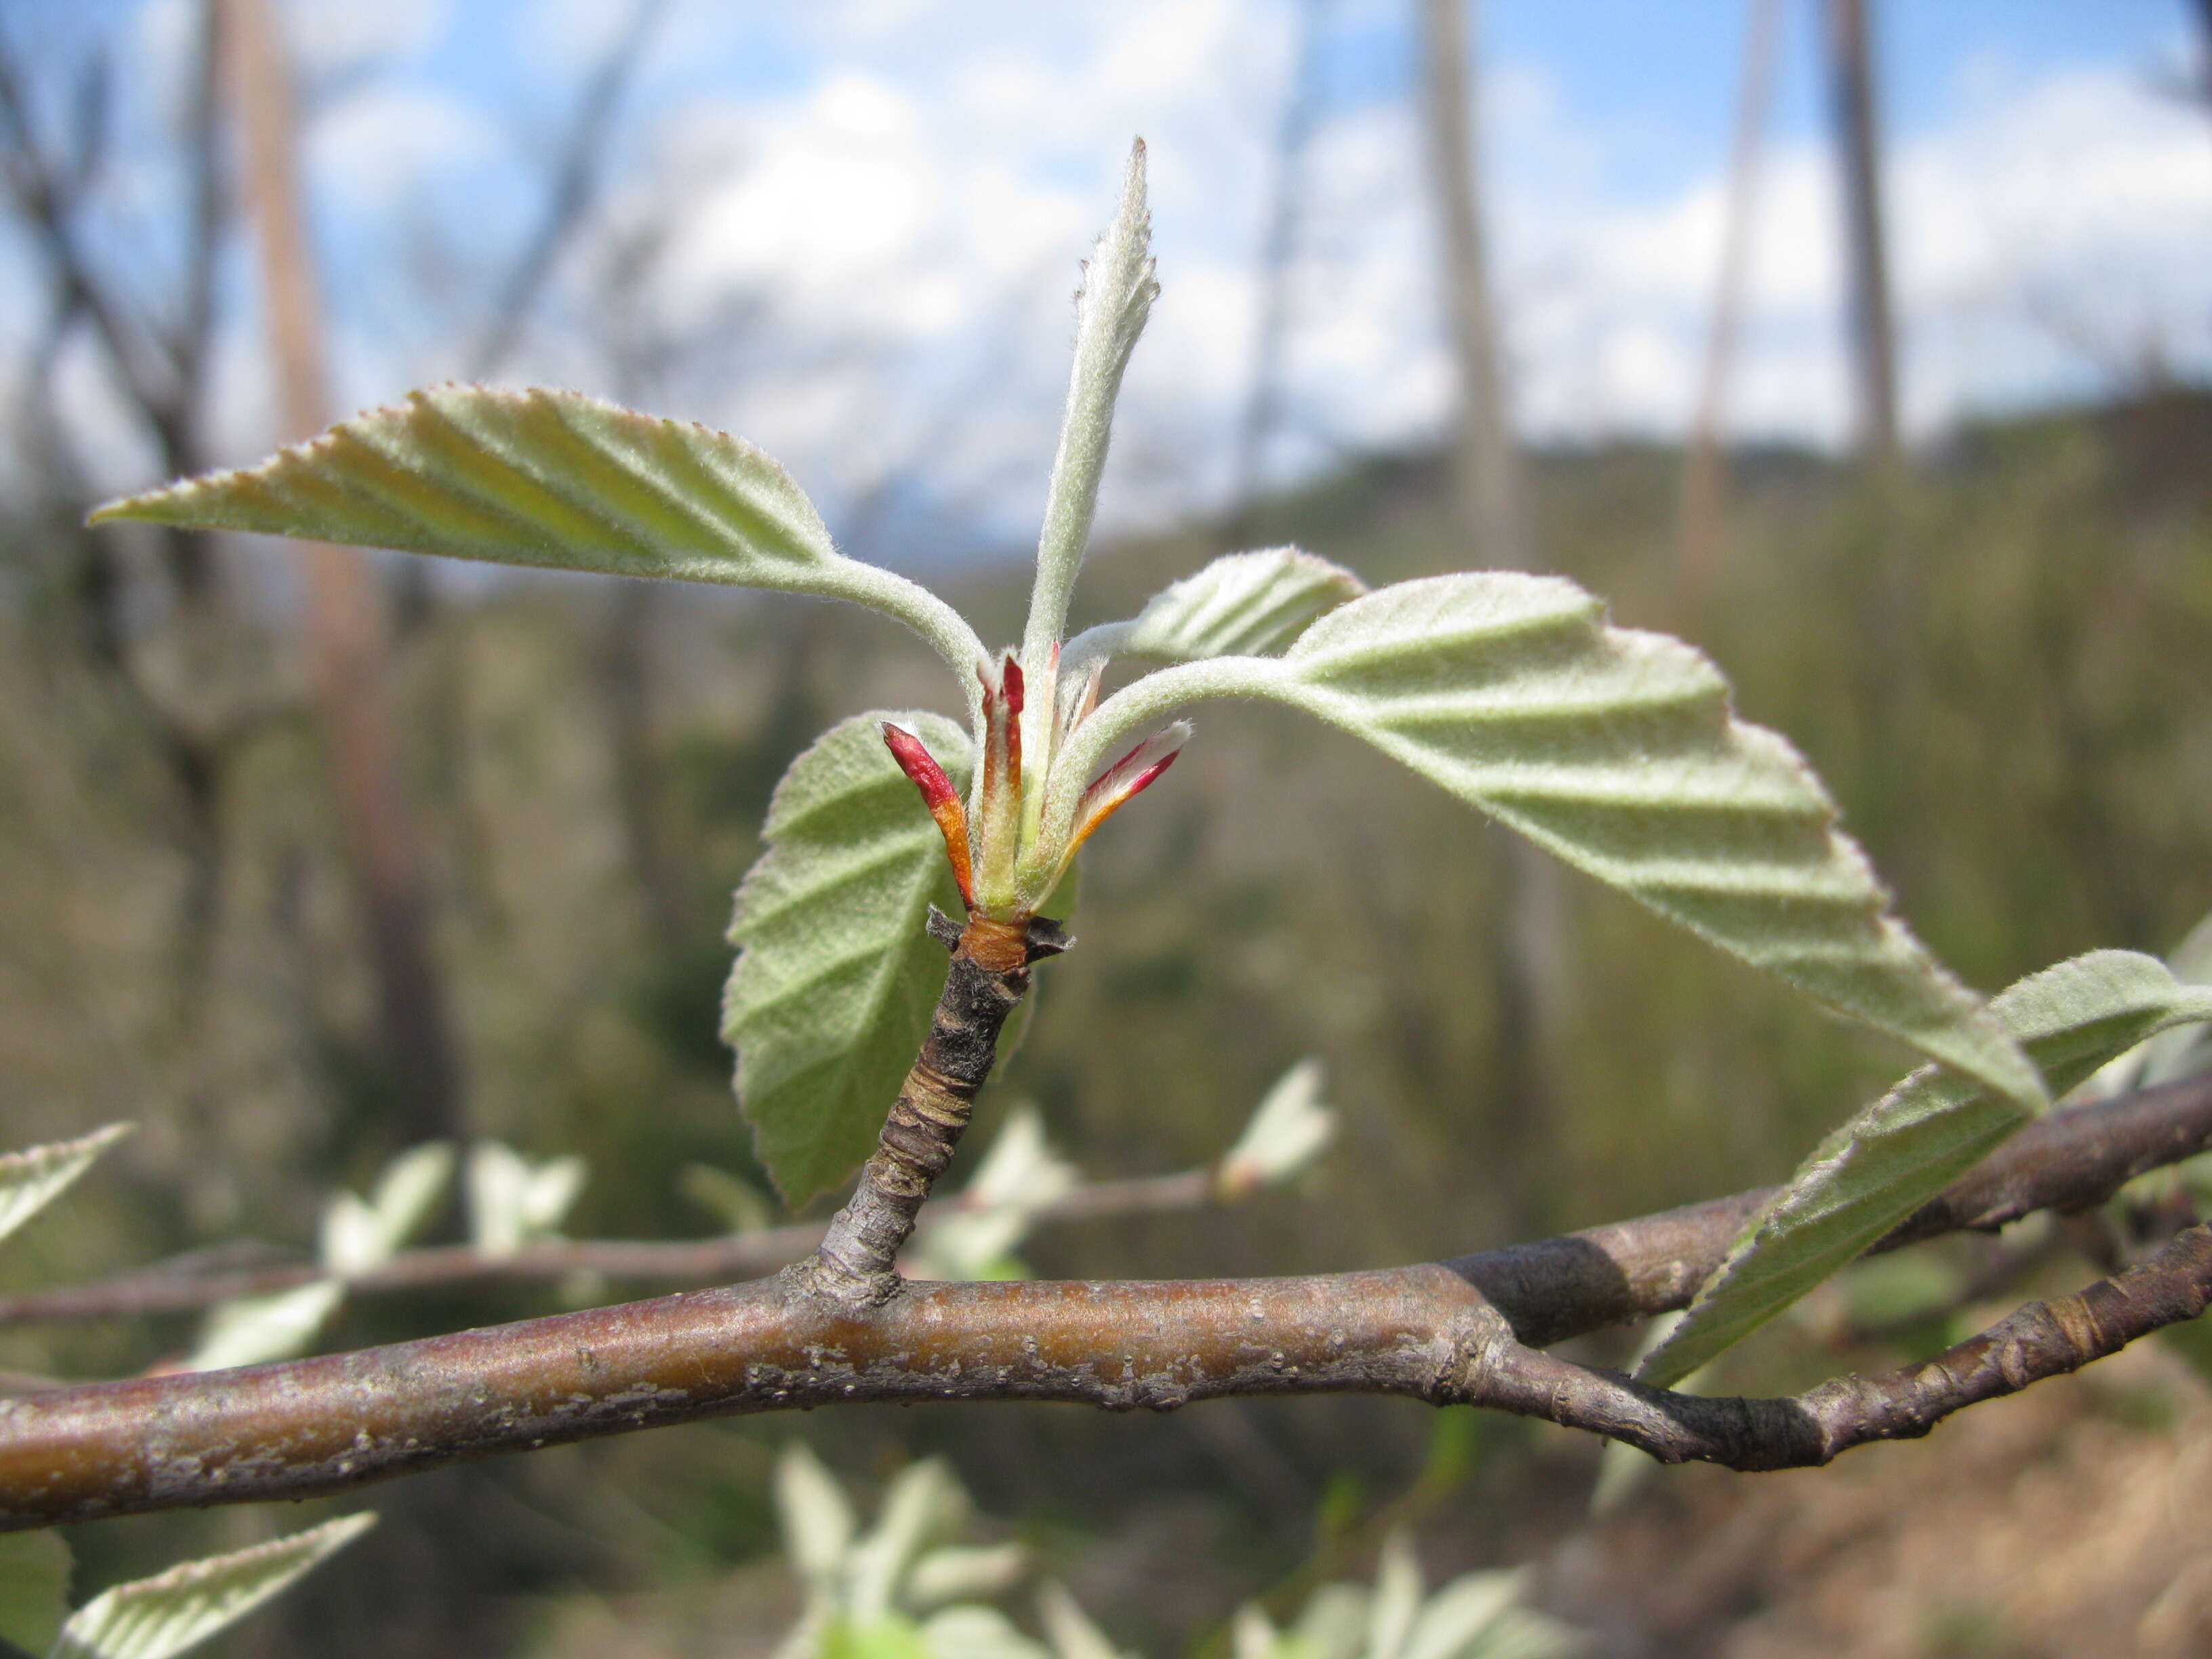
857,1262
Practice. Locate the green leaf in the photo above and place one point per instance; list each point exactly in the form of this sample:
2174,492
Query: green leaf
831,995
177,1610
1909,1145
1249,604
32,1178
554,479
35,1576
1617,751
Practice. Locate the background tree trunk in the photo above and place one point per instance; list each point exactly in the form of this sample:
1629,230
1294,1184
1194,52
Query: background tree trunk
348,624
1858,147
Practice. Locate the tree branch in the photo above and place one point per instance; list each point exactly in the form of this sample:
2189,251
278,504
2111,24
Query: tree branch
1456,1332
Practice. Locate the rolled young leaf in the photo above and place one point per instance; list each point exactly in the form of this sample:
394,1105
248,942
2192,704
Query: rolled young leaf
554,479
833,987
1617,751
1909,1145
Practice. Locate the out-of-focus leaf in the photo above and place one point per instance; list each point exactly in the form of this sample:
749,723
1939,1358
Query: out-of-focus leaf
965,1572
554,479
1019,1178
741,1206
1069,1628
258,1329
175,1611
32,1178
817,1521
1288,1131
831,995
1617,751
923,1503
972,1631
512,1201
360,1234
35,1576
1333,1624
1454,1621
1397,1599
1931,1128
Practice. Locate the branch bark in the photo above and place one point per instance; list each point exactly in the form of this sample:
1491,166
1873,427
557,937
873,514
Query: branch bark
1463,1332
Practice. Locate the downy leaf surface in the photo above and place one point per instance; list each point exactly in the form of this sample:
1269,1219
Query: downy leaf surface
1909,1145
1243,605
32,1178
175,1611
1617,751
836,978
554,479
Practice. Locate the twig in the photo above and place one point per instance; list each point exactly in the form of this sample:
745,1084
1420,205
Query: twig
1451,1334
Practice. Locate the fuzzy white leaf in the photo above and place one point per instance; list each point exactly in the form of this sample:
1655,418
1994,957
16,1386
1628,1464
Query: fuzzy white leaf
1616,750
924,1502
1333,1624
35,1576
1116,297
1243,605
1397,1599
360,1234
1254,1635
32,1178
834,981
175,1611
1906,1148
256,1330
554,479
963,1572
818,1520
1453,1622
1288,1131
2176,1053
1069,1628
512,1201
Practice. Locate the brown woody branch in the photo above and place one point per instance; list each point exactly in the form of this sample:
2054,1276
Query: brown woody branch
1457,1333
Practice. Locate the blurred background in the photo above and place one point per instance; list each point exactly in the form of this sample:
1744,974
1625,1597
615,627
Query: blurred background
1865,342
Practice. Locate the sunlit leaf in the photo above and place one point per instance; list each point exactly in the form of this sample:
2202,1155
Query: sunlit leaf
35,1576
258,1329
1289,1129
1906,1148
1069,1628
836,978
362,1234
1617,751
514,1200
818,1520
32,1178
1249,605
554,479
972,1631
965,1572
923,1503
175,1611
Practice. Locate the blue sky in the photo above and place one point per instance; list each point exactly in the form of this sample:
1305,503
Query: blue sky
889,198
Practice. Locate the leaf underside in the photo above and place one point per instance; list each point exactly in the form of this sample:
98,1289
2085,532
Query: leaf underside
1930,1129
836,978
1617,751
1241,605
535,477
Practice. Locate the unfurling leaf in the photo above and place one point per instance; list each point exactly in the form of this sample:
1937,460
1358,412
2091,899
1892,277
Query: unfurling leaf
360,1234
514,1200
175,1611
1617,751
1290,1129
554,479
1906,1148
32,1178
835,977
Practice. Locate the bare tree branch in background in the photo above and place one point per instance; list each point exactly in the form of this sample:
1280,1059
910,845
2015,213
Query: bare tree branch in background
1700,550
1263,405
348,632
1859,150
1527,978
